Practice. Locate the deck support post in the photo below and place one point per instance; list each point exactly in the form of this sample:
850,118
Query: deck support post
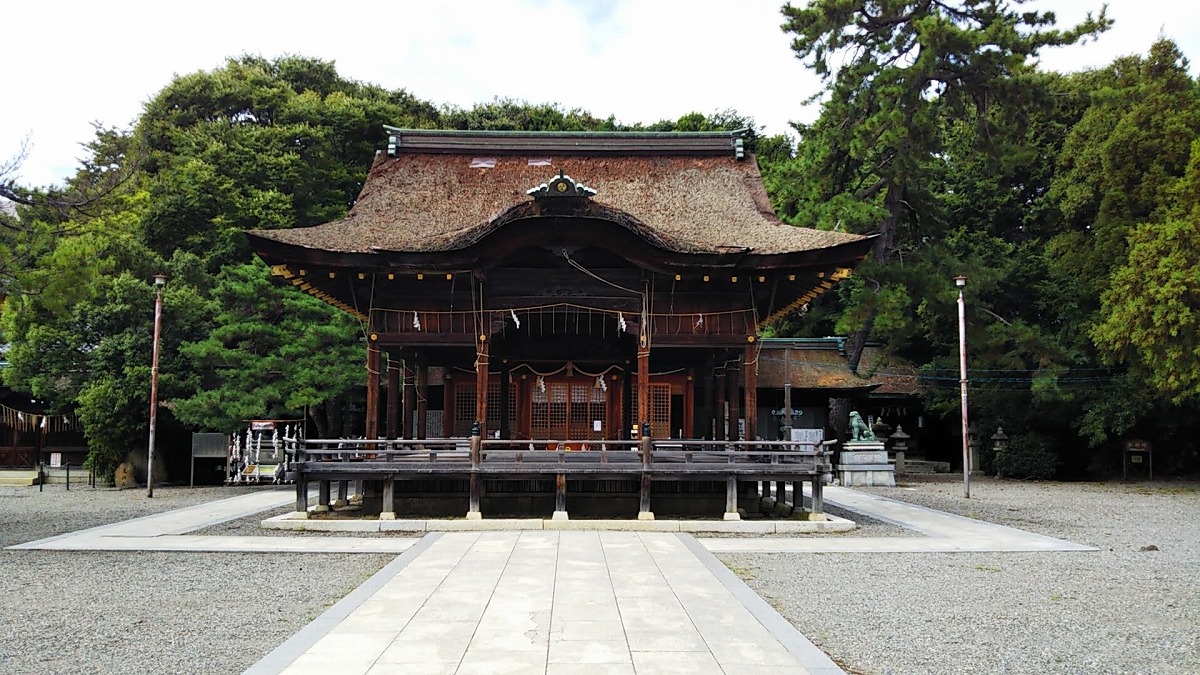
560,497
301,497
342,494
731,499
781,504
388,511
818,499
647,448
322,496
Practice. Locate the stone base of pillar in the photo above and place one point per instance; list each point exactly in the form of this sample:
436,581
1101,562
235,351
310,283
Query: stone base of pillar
320,508
801,514
299,515
645,515
733,516
474,515
387,515
559,515
339,503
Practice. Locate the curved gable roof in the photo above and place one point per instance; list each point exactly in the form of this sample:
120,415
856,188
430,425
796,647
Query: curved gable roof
687,193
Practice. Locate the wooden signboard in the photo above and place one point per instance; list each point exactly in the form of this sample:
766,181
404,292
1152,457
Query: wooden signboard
1137,451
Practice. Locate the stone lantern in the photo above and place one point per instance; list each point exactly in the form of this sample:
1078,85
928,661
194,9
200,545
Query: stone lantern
899,447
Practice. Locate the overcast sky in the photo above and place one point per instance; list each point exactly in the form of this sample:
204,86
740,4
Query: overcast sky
69,62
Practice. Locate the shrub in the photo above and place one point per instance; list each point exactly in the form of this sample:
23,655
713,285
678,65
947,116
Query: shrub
1028,455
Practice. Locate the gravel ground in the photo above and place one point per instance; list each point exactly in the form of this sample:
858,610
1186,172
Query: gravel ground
1132,607
99,612
1119,610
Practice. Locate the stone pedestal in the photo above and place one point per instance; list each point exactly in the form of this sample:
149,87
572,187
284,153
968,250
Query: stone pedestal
865,464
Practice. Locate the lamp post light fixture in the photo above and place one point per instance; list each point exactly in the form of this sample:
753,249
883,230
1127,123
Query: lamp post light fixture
961,282
160,280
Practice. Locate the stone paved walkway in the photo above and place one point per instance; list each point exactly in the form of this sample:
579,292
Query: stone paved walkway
551,602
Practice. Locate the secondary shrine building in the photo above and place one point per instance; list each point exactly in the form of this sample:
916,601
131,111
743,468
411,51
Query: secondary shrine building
562,289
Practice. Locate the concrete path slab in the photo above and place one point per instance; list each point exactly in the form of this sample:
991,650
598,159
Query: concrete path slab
551,602
944,532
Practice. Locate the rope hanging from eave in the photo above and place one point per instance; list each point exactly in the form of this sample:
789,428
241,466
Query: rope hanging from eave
54,424
364,326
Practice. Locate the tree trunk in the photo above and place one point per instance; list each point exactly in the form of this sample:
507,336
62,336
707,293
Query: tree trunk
893,201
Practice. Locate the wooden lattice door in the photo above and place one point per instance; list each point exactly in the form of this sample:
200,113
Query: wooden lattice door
568,411
660,409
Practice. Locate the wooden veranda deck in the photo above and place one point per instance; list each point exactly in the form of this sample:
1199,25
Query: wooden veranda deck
476,459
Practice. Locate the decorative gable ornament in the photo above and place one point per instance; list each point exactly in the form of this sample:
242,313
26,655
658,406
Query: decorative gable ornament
560,186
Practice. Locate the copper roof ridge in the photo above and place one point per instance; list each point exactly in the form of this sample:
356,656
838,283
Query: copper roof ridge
575,142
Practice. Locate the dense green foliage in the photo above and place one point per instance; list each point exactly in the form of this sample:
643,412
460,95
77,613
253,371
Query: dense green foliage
1063,199
1071,202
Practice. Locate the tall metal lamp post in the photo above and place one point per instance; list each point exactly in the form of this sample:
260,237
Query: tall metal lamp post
159,281
961,282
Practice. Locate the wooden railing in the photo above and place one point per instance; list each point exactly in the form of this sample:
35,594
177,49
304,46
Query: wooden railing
476,459
456,455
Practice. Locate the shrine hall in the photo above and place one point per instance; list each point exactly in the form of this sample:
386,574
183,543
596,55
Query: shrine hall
566,301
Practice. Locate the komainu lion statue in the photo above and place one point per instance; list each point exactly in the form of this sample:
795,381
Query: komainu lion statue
859,430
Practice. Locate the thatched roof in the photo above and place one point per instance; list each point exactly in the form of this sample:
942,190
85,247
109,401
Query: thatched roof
825,367
810,369
894,376
441,191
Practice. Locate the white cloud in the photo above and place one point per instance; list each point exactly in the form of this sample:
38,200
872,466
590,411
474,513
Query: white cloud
76,62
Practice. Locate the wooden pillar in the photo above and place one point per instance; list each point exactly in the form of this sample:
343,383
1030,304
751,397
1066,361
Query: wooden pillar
448,406
560,497
643,370
419,426
395,398
733,381
372,427
750,412
481,385
626,402
722,391
707,416
410,398
647,447
476,494
750,370
505,389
